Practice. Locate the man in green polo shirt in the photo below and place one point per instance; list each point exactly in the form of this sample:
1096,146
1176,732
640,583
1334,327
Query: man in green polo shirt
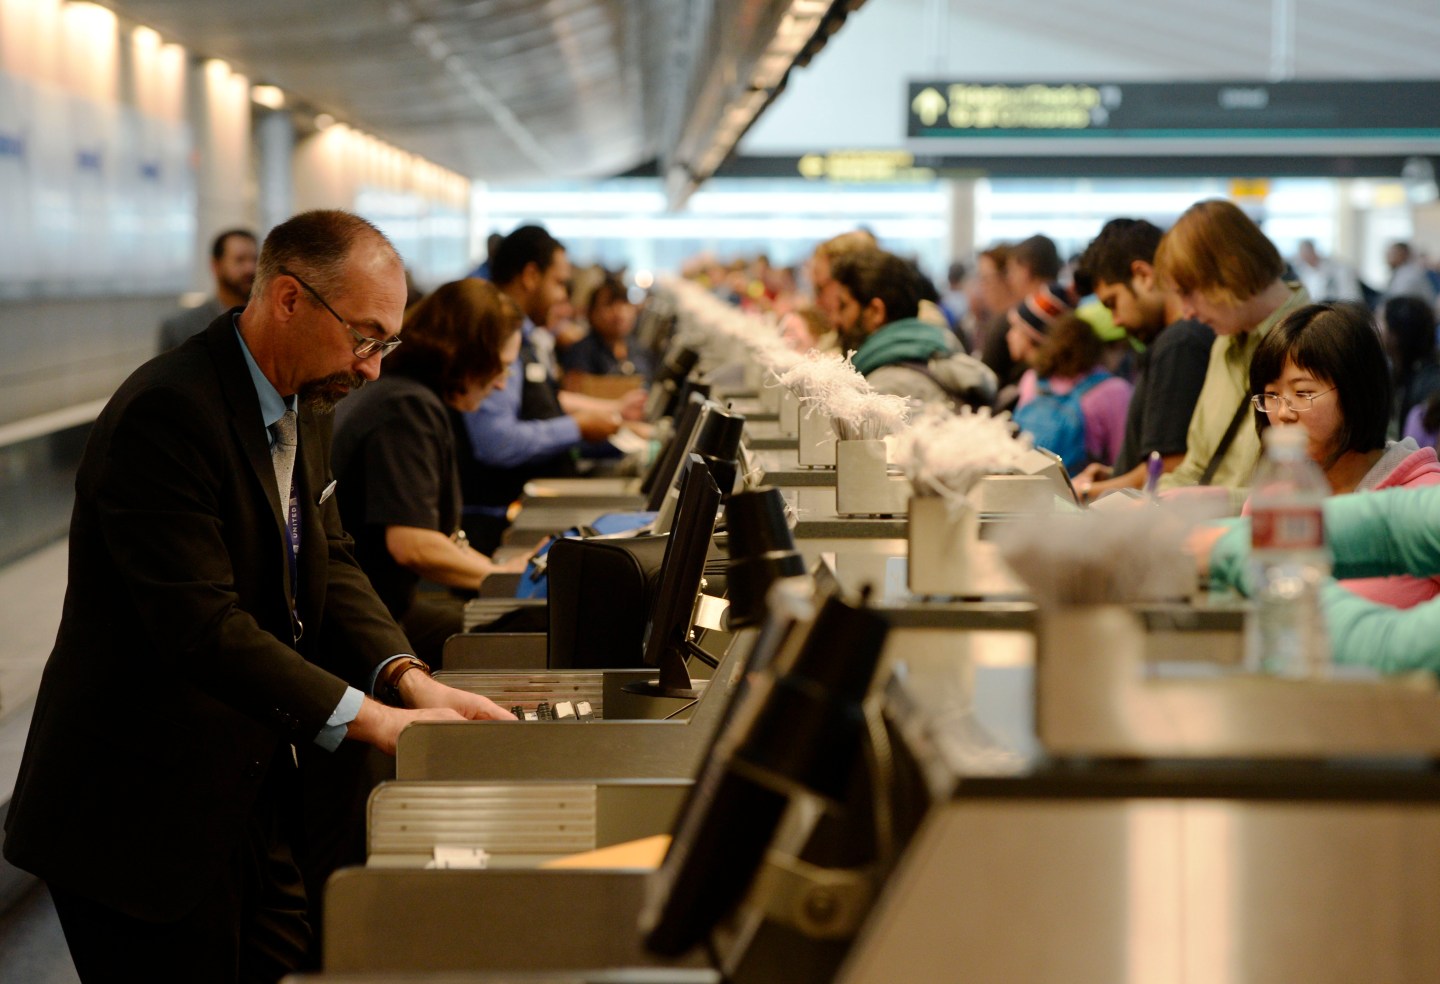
1228,275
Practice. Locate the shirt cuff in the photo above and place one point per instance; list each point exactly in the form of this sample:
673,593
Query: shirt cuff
333,732
375,675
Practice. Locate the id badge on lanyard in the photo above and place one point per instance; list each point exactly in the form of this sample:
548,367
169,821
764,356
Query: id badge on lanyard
292,534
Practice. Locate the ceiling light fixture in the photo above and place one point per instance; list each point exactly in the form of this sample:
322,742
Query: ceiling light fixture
146,39
269,96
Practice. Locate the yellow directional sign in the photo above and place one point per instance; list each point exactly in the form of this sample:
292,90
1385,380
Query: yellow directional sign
812,166
1249,188
863,165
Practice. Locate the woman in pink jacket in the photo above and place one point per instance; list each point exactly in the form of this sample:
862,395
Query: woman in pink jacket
1323,368
1066,368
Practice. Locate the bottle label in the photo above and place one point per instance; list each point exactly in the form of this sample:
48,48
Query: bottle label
1299,528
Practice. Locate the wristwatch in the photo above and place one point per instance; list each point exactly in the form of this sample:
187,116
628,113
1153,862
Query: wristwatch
387,684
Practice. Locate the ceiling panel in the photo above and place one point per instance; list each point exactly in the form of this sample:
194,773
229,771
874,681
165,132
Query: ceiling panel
432,75
516,89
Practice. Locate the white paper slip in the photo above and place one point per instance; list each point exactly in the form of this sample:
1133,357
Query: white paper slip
447,856
628,441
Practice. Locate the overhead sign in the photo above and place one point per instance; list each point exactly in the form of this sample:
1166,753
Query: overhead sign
863,166
967,109
1242,188
974,161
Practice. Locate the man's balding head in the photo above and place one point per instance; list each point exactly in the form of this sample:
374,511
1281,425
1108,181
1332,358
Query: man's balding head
317,245
327,281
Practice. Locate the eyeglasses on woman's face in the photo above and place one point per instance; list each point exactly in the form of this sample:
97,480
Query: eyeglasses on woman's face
1299,403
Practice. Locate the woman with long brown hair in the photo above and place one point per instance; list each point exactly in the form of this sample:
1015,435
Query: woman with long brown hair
394,457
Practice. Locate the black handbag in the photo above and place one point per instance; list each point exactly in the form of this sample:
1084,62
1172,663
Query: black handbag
601,593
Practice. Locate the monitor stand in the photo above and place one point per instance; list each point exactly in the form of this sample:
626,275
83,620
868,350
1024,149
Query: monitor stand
636,702
674,687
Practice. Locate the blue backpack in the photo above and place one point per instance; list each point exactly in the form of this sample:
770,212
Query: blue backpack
534,583
1057,421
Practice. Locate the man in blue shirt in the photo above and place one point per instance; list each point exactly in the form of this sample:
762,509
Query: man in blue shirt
530,427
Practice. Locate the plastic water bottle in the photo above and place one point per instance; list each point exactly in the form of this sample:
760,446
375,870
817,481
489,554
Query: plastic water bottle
1290,560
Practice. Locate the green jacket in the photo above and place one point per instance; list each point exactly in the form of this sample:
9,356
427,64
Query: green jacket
1377,534
907,340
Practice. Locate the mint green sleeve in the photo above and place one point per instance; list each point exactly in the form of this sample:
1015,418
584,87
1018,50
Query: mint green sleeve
1370,535
1230,556
1392,640
1362,633
1375,534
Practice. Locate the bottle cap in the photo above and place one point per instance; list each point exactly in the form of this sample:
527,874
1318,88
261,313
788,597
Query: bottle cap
1289,437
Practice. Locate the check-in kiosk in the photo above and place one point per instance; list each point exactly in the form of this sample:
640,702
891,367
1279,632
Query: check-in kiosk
1080,794
1170,823
1185,823
761,552
445,902
586,612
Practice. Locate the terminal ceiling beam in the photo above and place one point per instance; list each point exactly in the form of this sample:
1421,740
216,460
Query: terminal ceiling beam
735,58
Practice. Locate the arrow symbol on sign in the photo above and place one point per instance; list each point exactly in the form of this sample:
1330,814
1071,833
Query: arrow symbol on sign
929,104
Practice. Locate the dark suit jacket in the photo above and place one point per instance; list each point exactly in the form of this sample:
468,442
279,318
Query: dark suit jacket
173,681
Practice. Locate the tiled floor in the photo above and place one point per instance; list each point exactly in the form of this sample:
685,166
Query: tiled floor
31,592
32,589
32,948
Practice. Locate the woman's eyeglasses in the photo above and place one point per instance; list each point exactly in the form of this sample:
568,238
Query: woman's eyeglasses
1272,402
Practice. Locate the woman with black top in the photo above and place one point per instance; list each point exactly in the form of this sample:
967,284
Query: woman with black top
394,457
1408,330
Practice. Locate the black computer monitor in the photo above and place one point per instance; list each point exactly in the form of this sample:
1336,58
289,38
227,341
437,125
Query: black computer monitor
798,728
655,325
668,645
661,476
667,388
716,439
693,386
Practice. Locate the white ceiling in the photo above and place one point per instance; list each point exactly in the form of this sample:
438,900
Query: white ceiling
516,89
489,88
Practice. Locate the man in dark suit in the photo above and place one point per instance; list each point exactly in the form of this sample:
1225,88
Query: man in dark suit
212,624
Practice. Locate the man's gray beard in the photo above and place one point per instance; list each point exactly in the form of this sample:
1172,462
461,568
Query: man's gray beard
321,395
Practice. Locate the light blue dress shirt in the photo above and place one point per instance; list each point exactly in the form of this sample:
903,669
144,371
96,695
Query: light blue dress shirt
272,408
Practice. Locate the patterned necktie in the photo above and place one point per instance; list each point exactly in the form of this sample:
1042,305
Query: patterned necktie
282,456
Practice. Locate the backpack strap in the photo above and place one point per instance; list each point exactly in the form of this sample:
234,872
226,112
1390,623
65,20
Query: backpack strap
1214,464
1085,385
1090,382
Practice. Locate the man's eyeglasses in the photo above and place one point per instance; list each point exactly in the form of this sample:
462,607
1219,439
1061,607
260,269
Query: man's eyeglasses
365,346
1272,402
